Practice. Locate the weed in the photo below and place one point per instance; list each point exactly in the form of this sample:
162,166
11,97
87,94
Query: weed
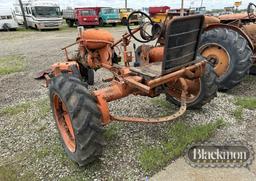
238,113
179,136
246,102
11,64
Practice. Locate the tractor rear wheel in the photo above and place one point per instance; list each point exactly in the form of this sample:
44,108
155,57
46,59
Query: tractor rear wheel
230,54
78,118
200,92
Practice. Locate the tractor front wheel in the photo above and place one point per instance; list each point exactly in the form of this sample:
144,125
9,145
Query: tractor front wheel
200,91
230,54
78,118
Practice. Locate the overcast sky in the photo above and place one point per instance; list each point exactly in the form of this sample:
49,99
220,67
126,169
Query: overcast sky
210,4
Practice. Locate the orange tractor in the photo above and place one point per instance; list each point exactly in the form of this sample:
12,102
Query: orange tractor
174,69
229,42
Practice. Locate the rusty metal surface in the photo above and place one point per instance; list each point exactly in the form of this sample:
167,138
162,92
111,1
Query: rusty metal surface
211,20
156,54
166,78
240,16
250,29
172,117
40,75
96,38
220,56
152,70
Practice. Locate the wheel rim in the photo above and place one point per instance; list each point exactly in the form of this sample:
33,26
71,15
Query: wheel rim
64,123
218,56
194,90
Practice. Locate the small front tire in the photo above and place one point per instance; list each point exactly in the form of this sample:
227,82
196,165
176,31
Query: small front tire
78,119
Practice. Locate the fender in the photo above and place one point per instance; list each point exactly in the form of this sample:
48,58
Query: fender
232,27
56,69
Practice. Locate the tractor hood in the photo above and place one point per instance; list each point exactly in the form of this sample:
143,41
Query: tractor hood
227,17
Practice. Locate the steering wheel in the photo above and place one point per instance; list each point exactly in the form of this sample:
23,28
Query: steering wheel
144,22
251,12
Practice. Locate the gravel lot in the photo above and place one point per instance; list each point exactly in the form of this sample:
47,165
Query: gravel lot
29,141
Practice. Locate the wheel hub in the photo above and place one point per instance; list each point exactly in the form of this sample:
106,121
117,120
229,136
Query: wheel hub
64,123
218,56
194,89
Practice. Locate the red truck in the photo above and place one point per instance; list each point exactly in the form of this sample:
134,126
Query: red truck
81,16
158,14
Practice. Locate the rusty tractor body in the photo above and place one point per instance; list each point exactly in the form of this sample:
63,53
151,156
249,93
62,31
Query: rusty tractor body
174,69
229,42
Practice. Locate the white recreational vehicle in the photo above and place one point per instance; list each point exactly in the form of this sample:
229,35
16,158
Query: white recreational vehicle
40,14
6,19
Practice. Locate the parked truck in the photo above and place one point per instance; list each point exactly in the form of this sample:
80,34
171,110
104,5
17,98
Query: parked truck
108,16
92,16
40,14
87,16
158,14
198,10
124,13
7,21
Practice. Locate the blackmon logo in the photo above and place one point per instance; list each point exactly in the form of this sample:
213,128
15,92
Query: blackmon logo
234,154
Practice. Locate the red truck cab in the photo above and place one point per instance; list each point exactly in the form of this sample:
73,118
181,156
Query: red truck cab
86,17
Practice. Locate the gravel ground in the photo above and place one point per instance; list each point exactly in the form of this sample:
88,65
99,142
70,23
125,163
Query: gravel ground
30,141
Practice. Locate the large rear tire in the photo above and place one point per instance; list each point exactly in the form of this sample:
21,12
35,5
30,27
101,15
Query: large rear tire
230,54
202,92
78,119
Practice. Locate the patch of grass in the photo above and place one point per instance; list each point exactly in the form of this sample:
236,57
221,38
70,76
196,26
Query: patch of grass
111,131
238,113
178,137
8,174
246,102
65,27
249,78
42,105
162,103
15,110
74,178
11,173
42,153
11,64
55,151
24,29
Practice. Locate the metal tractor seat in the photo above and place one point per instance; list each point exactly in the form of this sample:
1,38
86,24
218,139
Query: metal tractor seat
181,44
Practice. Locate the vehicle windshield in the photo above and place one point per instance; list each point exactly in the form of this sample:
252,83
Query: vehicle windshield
88,12
126,10
110,11
46,11
202,9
